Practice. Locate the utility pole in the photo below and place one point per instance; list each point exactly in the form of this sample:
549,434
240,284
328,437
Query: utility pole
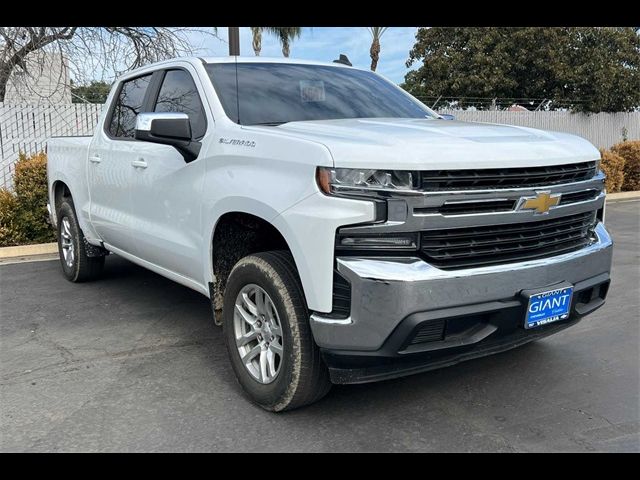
234,40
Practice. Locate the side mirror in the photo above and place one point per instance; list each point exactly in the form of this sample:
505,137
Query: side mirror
446,116
168,129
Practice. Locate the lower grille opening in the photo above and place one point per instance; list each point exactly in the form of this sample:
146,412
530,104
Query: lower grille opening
456,326
443,329
507,321
432,331
592,294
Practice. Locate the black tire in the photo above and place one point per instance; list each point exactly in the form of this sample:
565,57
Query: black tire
82,268
303,377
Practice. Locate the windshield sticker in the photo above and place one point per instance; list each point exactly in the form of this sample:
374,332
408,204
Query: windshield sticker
312,90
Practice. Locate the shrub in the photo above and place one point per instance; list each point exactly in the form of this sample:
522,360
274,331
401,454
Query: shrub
23,212
10,234
630,151
613,167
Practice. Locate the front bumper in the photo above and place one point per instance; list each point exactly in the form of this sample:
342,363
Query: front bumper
392,298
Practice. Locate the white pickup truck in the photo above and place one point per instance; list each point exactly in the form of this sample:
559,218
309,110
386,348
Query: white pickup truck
344,232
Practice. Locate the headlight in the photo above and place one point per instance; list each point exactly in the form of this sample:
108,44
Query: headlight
334,180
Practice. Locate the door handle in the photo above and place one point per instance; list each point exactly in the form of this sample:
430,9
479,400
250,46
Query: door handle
95,159
139,163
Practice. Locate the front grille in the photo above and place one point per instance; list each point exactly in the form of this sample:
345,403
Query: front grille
575,197
474,207
467,208
493,178
498,244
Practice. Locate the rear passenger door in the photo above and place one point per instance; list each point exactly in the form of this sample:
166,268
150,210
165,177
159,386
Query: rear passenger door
109,170
167,191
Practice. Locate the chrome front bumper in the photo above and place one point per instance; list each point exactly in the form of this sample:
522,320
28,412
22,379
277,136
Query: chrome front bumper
385,291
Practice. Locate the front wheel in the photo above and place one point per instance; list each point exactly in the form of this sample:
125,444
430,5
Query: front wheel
267,332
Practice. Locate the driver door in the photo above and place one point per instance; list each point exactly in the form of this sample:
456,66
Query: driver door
166,192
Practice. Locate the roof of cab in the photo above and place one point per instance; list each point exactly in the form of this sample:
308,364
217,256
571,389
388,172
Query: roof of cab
229,59
240,59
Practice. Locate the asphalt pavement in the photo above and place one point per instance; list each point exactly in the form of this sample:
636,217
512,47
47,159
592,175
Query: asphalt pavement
133,362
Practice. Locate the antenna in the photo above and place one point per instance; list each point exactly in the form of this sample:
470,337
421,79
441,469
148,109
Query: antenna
343,60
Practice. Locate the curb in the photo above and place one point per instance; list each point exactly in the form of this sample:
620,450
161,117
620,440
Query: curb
29,250
617,197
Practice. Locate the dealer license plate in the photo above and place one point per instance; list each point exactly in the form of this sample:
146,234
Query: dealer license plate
548,307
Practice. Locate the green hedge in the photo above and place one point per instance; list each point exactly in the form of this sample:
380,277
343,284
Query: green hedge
23,211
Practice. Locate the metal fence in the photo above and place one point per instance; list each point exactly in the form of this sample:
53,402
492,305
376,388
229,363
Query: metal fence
25,128
601,129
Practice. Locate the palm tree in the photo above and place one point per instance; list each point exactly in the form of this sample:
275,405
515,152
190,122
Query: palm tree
285,35
257,39
374,51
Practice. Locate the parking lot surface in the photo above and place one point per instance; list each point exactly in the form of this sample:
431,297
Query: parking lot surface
132,362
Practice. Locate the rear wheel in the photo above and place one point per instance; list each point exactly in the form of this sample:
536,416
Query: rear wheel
76,265
267,332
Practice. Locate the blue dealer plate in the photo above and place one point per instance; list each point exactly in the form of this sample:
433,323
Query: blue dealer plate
548,307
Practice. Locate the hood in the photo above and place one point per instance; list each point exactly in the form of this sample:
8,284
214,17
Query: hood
424,144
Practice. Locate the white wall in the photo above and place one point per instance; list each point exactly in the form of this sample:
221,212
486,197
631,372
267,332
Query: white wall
45,80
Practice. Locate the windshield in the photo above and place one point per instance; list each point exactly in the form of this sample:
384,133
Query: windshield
275,93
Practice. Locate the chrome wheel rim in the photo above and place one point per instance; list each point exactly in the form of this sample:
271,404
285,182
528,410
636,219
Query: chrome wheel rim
258,333
66,242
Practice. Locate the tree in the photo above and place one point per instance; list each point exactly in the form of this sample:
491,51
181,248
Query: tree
94,92
119,48
285,36
374,51
588,69
256,33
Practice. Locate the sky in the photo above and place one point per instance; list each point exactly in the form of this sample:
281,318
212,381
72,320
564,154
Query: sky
325,44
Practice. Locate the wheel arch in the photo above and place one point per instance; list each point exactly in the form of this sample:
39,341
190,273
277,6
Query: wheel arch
235,234
59,191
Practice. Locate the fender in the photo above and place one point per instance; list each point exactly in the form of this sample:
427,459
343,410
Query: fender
81,206
228,205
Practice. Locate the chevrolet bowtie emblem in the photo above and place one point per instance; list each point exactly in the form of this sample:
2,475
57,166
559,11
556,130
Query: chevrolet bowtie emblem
541,203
